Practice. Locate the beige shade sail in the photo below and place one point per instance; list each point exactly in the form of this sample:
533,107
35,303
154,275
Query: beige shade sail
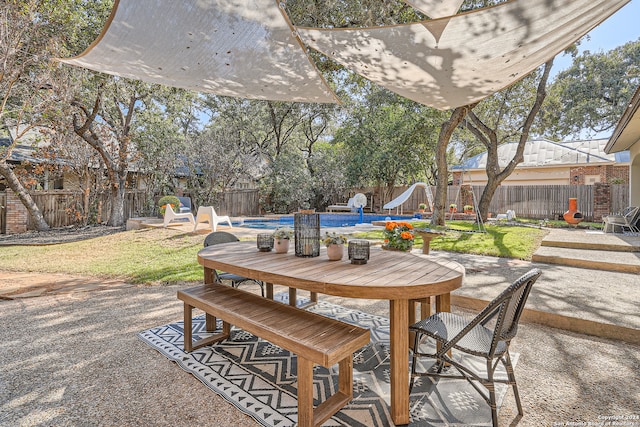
436,8
241,48
455,61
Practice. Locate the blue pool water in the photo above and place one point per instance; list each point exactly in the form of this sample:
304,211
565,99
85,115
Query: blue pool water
326,220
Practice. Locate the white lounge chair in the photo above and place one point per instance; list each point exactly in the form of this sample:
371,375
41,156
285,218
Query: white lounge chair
354,203
208,214
341,207
171,215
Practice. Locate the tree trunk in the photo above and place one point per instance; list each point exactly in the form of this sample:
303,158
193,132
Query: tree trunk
116,218
495,176
446,130
24,196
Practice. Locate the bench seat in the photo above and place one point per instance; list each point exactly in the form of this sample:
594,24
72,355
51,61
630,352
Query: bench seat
315,339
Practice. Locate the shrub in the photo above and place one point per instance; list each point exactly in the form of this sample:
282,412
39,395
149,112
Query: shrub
168,200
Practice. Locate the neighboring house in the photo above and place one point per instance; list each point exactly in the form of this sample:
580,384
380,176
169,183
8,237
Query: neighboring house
551,163
626,136
24,153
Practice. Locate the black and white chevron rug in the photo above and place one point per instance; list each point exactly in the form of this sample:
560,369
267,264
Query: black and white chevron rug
259,378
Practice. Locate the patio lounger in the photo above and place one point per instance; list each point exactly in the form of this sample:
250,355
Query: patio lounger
170,215
627,220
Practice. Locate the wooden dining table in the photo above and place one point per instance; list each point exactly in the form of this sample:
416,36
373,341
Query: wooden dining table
399,277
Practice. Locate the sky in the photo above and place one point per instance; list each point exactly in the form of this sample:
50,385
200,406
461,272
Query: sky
619,28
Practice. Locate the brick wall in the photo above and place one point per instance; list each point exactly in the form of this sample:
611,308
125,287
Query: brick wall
607,173
601,200
16,214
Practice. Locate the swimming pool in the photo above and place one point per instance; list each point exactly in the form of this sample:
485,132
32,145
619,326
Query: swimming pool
326,220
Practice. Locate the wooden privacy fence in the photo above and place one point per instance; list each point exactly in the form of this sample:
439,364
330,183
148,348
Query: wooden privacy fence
536,202
238,203
62,208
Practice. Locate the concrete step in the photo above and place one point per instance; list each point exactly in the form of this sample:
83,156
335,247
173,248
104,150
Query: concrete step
623,261
592,241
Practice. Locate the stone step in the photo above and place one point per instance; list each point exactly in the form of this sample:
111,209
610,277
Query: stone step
623,261
592,241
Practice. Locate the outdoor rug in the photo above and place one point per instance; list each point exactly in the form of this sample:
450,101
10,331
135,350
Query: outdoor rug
260,378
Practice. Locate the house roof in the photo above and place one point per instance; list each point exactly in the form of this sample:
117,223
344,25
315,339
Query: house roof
543,152
627,131
23,150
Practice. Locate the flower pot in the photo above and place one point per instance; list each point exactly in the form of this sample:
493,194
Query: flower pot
335,252
281,246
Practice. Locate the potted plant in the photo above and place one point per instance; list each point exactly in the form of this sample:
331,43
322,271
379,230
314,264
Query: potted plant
422,207
468,209
453,207
168,200
398,236
281,239
335,245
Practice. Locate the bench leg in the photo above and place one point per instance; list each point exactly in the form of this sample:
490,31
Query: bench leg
305,393
307,416
345,377
210,323
188,328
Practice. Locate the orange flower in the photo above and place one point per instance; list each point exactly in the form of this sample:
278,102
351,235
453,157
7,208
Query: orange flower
406,235
391,225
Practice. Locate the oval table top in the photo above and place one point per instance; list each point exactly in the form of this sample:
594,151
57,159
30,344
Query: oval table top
388,275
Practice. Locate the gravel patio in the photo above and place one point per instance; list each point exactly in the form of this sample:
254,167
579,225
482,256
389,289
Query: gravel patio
75,359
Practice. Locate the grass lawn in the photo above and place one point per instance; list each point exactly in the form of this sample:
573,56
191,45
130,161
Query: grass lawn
164,256
138,256
462,236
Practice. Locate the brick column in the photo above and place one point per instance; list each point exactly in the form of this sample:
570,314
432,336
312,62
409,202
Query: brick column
17,215
601,200
466,196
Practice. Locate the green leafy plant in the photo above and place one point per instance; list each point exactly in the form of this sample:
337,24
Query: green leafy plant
334,239
398,235
422,206
453,206
283,233
168,200
468,208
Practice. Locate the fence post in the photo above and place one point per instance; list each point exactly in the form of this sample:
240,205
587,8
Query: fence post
601,200
16,215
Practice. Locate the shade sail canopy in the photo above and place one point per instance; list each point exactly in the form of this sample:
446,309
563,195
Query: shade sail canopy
241,48
249,49
455,61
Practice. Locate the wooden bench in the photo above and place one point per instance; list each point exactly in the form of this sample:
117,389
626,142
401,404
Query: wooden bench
315,339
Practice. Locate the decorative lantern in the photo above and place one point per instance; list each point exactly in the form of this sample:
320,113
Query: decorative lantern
306,229
358,251
265,242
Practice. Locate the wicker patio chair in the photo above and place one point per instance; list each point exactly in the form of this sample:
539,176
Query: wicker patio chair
218,237
627,219
477,338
